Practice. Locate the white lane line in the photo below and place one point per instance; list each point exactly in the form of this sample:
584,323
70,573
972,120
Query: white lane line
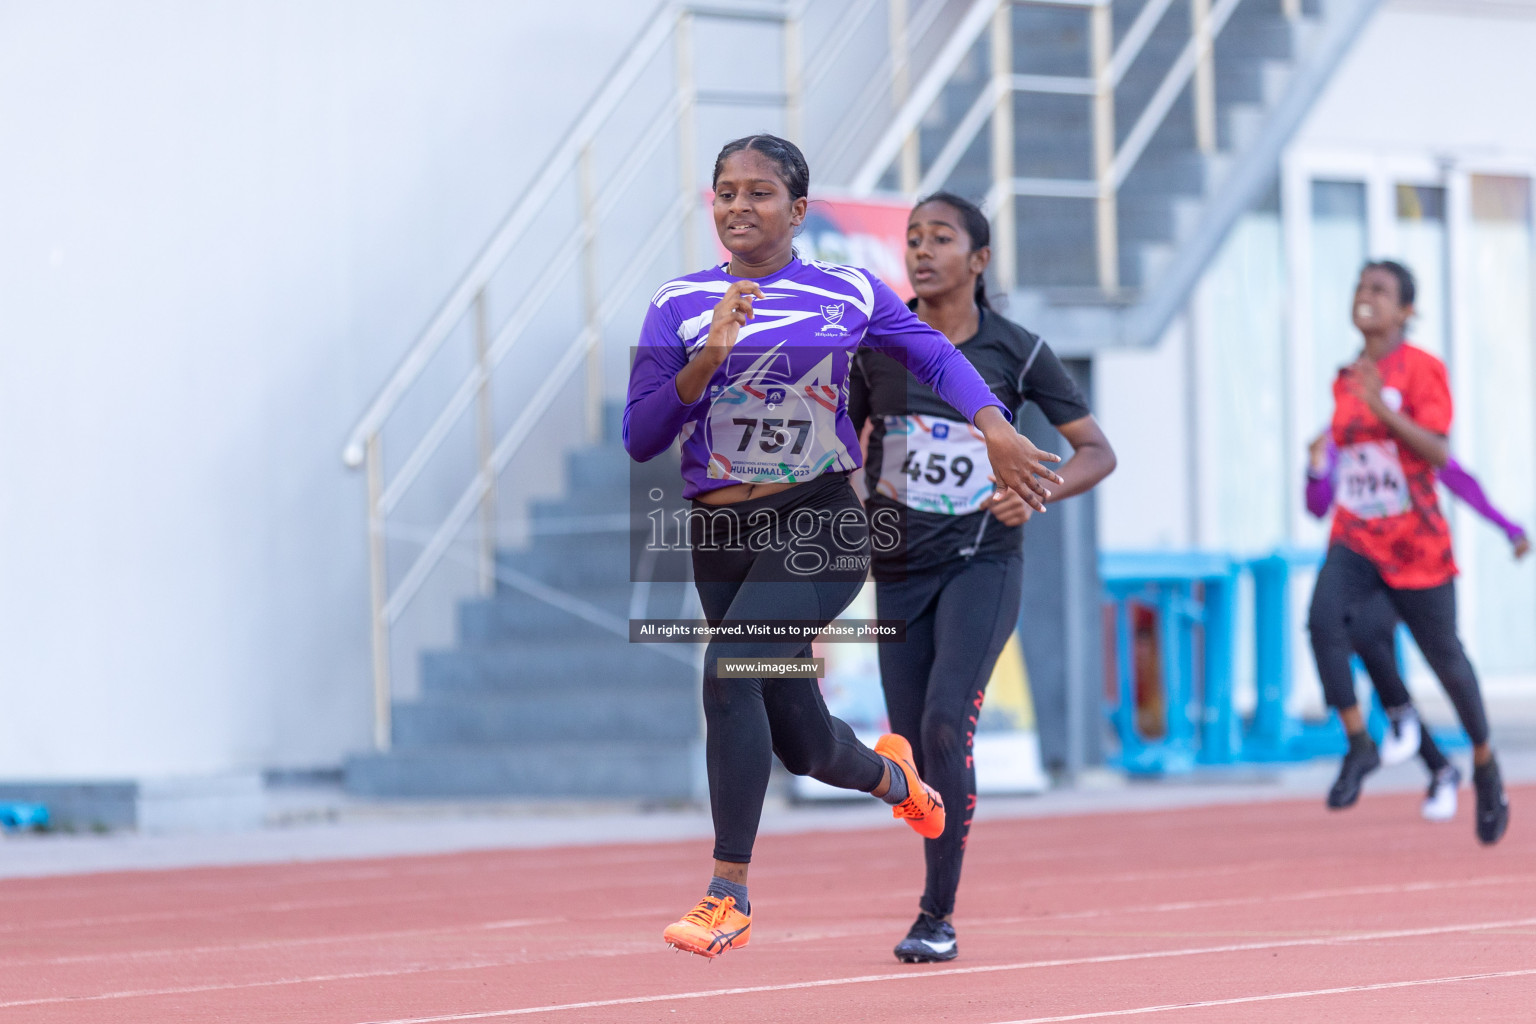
1324,940
307,905
473,965
1346,990
983,922
282,906
1292,897
261,944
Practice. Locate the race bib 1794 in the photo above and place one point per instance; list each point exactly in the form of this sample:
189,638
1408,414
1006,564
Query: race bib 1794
1371,483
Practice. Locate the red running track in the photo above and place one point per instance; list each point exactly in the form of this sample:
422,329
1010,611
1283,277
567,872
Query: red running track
1265,912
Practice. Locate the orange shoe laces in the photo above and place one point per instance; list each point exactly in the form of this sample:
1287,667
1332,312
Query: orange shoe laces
909,807
710,911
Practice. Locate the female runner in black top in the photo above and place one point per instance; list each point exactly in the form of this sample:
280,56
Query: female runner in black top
957,579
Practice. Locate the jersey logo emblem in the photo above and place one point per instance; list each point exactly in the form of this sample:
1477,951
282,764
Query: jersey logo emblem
941,430
774,397
832,313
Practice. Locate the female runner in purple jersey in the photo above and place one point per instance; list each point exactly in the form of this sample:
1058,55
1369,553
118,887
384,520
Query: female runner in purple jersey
747,363
958,582
1373,628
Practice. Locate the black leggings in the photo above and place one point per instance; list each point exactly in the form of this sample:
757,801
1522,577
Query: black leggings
958,618
820,564
1372,628
1347,582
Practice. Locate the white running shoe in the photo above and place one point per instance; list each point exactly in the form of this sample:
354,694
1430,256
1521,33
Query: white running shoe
1440,800
1400,742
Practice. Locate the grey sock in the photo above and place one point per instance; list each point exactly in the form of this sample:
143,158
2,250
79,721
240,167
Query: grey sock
898,791
720,888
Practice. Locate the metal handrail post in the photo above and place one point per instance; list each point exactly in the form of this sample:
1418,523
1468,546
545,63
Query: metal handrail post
794,75
1107,228
1205,76
687,143
378,593
590,301
1005,249
901,85
486,436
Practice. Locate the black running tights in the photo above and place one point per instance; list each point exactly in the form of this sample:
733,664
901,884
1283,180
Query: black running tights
1372,628
1346,583
958,618
748,720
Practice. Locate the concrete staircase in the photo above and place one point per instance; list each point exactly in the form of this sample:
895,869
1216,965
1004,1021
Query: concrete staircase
1178,203
542,699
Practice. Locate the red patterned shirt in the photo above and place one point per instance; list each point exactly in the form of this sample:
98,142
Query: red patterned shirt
1387,509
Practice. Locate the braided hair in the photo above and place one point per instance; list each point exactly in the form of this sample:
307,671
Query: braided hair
793,170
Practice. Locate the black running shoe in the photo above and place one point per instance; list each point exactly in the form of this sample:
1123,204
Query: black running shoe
1492,804
1359,762
929,941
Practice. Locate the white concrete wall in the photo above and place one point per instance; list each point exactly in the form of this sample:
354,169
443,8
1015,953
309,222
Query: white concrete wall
220,226
1434,76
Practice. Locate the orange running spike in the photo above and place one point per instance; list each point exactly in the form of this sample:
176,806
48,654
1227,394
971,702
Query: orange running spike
923,808
710,928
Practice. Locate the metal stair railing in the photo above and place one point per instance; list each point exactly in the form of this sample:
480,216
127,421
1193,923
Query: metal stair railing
1112,163
672,24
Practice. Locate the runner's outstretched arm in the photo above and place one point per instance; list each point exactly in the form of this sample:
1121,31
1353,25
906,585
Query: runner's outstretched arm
1465,486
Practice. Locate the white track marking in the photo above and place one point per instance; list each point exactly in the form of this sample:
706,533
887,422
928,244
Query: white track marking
260,944
1324,940
286,906
305,980
1243,901
1346,990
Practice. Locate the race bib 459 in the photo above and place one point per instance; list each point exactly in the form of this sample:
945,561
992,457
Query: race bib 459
934,465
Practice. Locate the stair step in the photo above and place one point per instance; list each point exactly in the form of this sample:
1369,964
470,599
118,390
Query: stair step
656,771
515,616
596,714
600,467
1169,220
613,422
600,659
1239,125
511,614
573,561
1255,36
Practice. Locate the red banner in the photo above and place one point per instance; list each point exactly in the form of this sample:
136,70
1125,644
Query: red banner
868,233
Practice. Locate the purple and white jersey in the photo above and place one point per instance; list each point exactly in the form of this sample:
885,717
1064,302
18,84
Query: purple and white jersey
776,410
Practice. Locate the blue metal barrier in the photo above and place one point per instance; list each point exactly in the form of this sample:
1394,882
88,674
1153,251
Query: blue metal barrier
20,815
1195,592
1273,733
1189,592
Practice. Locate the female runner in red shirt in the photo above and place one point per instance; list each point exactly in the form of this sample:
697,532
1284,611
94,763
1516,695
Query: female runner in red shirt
1392,412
